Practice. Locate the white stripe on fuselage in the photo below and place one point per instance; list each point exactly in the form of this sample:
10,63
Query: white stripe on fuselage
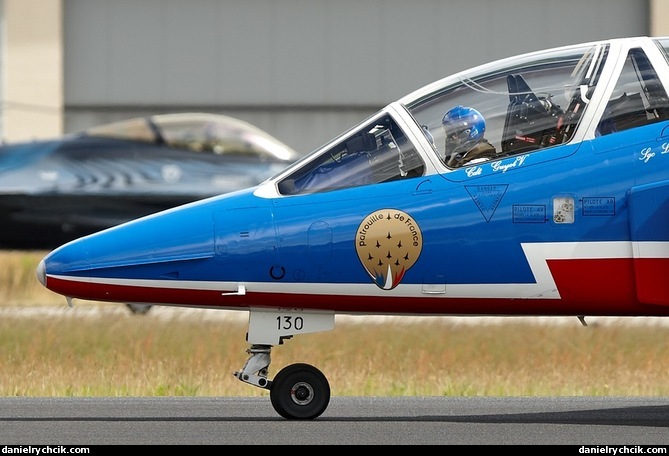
537,255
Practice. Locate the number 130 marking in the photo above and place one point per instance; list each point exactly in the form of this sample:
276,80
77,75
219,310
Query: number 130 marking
287,322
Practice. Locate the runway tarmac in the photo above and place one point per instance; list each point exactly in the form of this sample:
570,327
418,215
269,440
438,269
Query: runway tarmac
593,423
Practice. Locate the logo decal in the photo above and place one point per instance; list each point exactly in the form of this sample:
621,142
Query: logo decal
388,243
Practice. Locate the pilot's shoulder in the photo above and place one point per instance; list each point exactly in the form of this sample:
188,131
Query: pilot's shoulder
483,149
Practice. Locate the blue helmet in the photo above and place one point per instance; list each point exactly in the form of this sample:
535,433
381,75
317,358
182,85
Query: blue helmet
464,128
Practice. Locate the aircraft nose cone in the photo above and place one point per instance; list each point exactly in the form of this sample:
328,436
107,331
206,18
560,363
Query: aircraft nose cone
66,260
41,273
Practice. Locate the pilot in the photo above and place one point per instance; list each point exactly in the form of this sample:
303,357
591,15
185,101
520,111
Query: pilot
464,128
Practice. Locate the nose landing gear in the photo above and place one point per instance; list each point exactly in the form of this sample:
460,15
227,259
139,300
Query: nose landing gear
299,391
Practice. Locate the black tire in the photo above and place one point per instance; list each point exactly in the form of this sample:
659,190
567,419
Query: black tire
300,392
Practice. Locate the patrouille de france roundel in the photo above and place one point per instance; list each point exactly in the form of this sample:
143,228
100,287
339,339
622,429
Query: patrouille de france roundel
388,243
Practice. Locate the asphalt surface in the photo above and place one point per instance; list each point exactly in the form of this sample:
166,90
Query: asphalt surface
593,422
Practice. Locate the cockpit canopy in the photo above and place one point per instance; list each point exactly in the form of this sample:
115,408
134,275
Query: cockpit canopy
522,104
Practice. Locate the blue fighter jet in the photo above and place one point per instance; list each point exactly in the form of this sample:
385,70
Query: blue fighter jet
536,185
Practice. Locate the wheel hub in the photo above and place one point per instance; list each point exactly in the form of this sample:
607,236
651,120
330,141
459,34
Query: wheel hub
302,393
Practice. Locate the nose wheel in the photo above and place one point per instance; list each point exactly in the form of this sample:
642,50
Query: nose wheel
300,392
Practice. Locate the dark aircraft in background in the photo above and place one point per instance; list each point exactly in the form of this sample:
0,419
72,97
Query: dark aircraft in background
54,191
536,185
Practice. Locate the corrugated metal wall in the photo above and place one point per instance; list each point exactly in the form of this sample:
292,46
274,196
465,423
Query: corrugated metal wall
304,70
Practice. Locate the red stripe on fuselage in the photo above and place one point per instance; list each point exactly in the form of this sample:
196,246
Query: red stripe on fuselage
602,283
586,287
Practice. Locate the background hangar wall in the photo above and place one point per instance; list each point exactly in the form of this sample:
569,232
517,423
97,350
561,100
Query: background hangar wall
303,70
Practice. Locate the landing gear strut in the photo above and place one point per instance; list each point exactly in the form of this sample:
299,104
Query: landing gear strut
298,392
